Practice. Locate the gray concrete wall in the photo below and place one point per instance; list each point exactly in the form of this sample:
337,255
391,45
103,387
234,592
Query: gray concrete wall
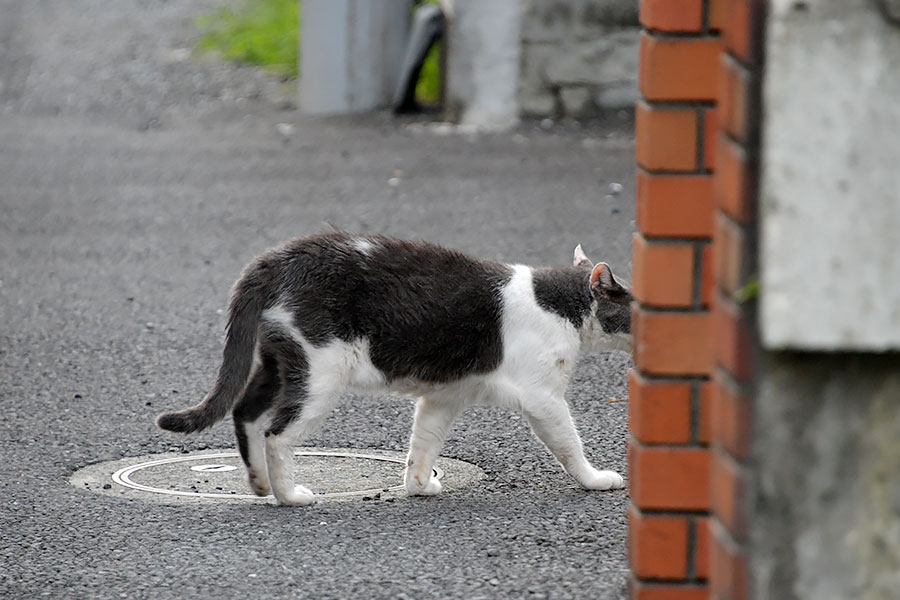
504,58
826,501
578,57
350,54
826,508
830,181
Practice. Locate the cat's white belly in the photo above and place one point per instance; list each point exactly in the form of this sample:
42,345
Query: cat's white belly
534,363
474,389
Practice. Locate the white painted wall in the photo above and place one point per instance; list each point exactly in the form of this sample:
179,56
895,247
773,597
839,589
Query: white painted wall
830,196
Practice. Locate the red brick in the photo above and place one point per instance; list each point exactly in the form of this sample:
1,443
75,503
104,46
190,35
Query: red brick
675,205
731,417
717,14
665,138
726,102
728,493
672,343
729,578
657,545
734,342
731,255
737,111
668,478
705,426
662,272
710,135
659,412
702,548
742,29
734,181
707,279
661,591
672,15
679,68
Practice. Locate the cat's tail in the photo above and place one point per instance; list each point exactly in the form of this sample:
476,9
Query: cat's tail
247,303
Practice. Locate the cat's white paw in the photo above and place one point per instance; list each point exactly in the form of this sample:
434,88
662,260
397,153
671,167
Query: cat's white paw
415,487
259,483
299,496
603,480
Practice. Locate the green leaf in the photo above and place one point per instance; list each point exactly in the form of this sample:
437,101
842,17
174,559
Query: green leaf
749,291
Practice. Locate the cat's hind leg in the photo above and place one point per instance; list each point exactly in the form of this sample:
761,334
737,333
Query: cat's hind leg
551,422
249,415
307,396
432,422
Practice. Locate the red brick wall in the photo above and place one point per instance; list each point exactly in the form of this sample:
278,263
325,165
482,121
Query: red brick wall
696,141
738,117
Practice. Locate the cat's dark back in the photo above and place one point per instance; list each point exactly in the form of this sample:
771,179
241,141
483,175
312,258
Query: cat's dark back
428,312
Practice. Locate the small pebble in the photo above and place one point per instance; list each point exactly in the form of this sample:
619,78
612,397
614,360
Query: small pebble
180,54
285,130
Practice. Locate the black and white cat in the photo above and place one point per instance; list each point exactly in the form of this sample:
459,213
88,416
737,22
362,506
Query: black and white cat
337,311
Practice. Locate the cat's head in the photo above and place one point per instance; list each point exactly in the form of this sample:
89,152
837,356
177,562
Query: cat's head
610,323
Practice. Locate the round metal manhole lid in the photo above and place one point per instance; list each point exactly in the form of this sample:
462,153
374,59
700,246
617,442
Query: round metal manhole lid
219,476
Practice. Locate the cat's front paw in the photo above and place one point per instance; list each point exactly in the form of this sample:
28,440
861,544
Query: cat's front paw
416,487
299,496
603,480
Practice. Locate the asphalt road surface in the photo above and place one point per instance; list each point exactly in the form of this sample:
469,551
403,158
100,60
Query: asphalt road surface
135,182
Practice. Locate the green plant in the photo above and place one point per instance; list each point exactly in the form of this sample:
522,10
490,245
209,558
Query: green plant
750,291
428,88
260,32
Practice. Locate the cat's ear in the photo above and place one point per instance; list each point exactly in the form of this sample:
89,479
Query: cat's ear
605,285
580,259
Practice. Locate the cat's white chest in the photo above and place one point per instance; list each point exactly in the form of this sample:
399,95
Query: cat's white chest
533,336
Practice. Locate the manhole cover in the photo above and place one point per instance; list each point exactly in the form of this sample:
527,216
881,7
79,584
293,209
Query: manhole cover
333,474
